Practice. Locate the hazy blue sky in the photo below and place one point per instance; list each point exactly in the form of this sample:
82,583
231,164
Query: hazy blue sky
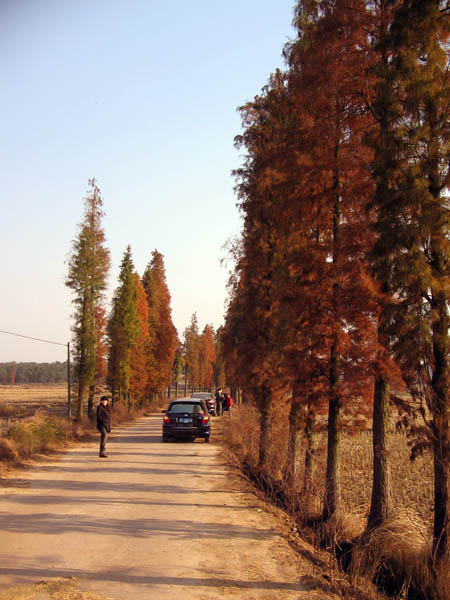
141,95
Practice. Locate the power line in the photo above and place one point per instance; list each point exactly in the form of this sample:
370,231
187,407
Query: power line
33,338
28,337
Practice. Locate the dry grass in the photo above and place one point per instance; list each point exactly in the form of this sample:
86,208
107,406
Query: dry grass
412,481
22,401
8,451
40,434
396,554
32,421
33,393
51,589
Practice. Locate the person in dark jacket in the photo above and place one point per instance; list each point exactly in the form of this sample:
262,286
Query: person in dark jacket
224,402
103,424
218,401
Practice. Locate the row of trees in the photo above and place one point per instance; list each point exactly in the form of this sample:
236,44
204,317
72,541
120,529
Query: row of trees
31,372
341,288
142,338
203,365
135,348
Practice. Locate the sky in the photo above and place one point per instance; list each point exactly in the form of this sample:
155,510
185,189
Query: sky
141,95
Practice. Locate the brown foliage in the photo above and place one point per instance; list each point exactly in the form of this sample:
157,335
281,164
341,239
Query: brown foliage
139,353
163,339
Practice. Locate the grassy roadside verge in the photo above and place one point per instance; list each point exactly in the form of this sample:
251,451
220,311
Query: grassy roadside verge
394,560
323,563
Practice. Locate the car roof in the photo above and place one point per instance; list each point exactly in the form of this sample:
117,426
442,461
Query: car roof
187,399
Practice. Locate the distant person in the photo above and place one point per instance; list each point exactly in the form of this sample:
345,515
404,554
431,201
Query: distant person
218,401
103,424
229,405
224,402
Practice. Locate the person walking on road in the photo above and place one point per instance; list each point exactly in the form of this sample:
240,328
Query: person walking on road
103,424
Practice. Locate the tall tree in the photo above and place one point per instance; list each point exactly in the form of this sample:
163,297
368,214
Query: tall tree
413,223
124,329
178,366
163,335
219,367
382,108
207,356
191,349
326,79
89,264
252,339
139,353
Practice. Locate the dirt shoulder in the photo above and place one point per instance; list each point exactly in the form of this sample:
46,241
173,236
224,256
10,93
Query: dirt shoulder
153,520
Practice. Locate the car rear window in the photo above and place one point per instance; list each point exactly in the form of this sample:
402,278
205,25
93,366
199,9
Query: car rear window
181,407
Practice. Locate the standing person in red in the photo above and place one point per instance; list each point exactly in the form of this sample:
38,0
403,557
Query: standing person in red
229,405
103,424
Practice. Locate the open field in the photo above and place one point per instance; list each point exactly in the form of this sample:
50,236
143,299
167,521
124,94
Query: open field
21,401
34,396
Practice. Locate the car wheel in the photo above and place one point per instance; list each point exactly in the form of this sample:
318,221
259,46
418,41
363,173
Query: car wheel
207,438
165,438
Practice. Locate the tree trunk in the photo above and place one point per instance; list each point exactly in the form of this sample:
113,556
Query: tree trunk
332,480
441,437
310,453
91,401
80,403
380,505
265,424
441,497
294,427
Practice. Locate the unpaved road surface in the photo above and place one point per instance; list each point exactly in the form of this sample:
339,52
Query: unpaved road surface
152,521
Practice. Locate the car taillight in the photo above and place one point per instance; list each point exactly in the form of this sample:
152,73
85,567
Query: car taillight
166,419
205,419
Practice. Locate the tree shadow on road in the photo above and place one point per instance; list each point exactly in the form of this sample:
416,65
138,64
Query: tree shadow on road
131,577
49,523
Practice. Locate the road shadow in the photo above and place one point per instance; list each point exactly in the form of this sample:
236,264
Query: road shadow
130,576
50,523
102,501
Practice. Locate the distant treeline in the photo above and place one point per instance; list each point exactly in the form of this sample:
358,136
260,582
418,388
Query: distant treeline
31,372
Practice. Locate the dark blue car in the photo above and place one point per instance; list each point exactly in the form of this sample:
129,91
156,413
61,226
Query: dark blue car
186,418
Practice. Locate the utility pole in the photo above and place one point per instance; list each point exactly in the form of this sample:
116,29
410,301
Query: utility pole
69,412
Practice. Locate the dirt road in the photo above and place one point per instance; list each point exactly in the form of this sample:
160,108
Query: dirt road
152,521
